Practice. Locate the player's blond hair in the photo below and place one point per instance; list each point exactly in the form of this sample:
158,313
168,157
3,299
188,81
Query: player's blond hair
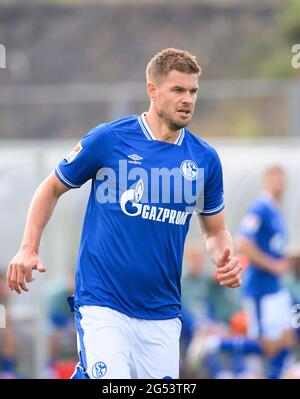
274,170
171,59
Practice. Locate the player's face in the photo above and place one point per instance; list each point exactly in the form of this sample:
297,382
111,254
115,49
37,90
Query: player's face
279,184
175,99
276,183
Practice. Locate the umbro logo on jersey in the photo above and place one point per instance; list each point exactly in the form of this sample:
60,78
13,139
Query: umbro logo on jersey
136,159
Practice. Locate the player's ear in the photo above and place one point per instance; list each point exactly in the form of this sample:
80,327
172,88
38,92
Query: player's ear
151,90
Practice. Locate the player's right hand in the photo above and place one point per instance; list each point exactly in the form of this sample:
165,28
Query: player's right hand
229,270
20,270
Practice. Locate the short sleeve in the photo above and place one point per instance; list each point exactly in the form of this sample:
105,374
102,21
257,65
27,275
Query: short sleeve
213,201
86,158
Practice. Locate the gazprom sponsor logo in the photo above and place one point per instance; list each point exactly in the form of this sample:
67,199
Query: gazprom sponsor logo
132,197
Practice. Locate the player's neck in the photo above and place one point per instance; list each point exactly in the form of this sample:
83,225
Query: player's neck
271,197
159,129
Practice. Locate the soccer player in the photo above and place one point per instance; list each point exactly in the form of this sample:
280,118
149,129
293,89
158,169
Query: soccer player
149,174
262,237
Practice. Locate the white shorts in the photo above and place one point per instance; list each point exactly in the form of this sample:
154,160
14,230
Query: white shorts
112,345
270,315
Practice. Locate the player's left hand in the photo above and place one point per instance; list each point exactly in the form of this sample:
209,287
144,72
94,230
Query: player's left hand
229,270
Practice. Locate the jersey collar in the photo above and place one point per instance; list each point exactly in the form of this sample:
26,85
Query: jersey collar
150,136
269,199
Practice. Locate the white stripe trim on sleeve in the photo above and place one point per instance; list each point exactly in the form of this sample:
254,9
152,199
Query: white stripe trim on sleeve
66,180
215,209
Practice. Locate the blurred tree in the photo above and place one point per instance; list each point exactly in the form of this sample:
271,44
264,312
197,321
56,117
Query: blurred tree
290,21
276,49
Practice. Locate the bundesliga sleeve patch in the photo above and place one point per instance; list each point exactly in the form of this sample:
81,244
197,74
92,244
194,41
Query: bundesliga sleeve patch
251,223
73,154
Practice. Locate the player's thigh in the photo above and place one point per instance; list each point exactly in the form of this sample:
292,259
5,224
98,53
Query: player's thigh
276,315
103,342
268,316
156,349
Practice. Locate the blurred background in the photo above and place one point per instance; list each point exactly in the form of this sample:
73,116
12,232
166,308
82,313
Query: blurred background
71,65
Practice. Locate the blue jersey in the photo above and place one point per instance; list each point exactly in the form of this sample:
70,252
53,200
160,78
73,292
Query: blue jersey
265,227
136,220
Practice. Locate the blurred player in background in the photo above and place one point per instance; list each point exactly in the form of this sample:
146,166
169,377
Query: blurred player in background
194,294
195,284
127,295
212,341
7,336
262,238
61,329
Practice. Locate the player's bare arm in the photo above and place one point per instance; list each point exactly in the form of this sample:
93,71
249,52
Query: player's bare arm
219,246
20,268
260,258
